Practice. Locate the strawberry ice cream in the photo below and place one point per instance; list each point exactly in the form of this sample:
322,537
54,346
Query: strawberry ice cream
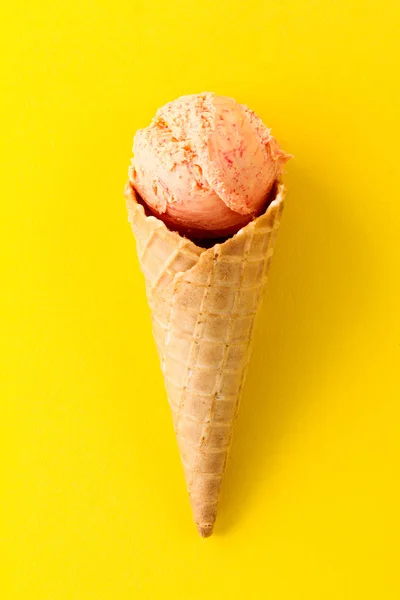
205,165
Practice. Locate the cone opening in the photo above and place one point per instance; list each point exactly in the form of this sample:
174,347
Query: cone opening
193,235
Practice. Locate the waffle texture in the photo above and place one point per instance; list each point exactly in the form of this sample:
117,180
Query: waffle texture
203,303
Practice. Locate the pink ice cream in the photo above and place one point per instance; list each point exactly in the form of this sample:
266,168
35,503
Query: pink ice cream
205,165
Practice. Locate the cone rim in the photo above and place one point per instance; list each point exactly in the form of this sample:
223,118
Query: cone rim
133,204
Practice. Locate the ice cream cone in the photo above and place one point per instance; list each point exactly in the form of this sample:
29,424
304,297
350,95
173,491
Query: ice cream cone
203,302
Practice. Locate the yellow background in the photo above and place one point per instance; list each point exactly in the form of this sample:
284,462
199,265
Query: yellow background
93,501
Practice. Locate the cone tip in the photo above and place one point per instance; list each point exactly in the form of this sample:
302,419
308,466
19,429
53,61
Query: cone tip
205,530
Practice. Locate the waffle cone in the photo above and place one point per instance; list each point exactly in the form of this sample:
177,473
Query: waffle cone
203,303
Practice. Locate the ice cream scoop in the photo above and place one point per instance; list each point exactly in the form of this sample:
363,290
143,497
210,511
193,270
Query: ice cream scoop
205,165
